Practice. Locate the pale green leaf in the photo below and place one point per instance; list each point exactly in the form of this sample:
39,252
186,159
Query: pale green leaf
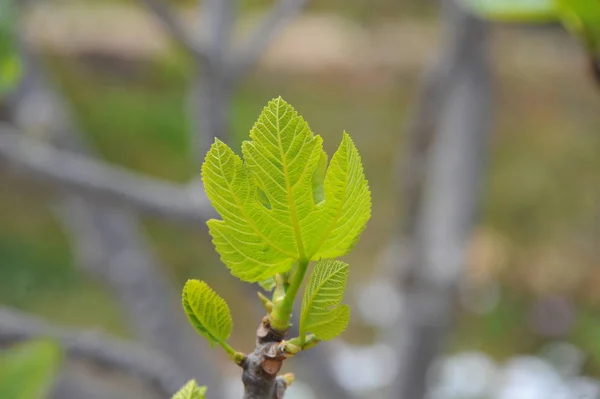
515,10
191,390
278,206
321,312
27,371
207,311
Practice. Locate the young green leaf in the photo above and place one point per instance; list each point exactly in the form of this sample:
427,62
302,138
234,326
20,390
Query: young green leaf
190,390
278,205
207,311
321,312
10,63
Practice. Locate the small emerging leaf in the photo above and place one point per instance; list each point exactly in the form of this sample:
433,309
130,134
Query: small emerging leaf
322,313
10,63
207,311
190,390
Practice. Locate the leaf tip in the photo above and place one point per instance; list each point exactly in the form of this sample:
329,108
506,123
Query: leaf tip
191,390
190,283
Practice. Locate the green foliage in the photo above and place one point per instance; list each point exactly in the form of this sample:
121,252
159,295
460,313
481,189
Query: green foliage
581,17
515,10
281,205
321,311
10,64
191,390
27,371
207,311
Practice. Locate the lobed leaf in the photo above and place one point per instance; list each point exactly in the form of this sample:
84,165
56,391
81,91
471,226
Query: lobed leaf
207,311
321,312
281,203
190,390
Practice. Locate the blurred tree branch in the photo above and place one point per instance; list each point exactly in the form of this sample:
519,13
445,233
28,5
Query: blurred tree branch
211,92
108,241
173,25
279,16
448,138
98,348
97,180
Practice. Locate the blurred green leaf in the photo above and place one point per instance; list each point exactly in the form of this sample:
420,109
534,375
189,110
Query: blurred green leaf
28,370
10,64
514,10
582,18
268,284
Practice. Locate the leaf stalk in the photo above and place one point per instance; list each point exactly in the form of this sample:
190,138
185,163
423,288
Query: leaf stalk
282,311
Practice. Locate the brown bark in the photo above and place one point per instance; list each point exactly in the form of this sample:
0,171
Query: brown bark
262,366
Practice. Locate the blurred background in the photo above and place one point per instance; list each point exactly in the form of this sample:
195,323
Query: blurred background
476,277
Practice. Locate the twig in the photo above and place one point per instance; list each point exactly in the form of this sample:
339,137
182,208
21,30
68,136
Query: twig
251,50
100,181
175,27
119,355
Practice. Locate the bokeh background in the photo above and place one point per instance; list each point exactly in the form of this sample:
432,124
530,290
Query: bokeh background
526,319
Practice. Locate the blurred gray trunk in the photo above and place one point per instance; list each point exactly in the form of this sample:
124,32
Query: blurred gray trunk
443,206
